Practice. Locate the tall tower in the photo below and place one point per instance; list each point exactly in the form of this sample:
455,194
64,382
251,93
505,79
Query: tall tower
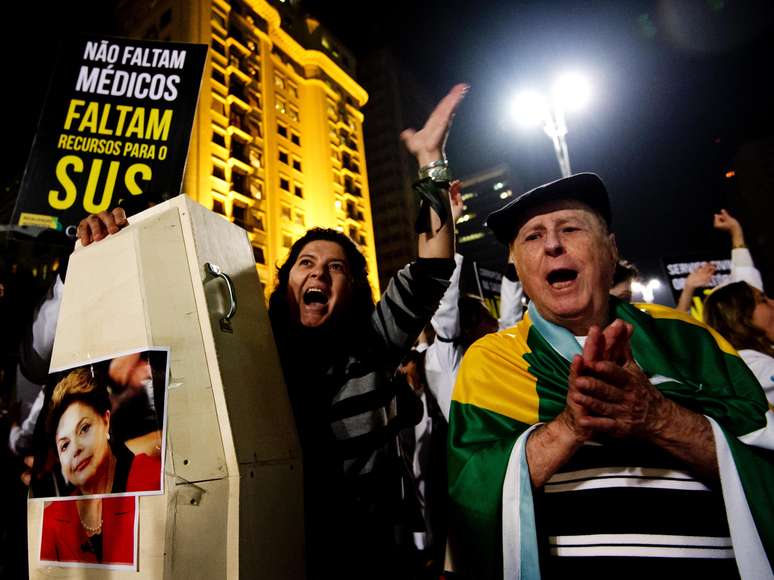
482,193
396,102
277,143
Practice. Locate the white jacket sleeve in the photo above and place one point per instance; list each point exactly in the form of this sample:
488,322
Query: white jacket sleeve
444,355
446,320
20,437
38,344
743,269
511,294
762,366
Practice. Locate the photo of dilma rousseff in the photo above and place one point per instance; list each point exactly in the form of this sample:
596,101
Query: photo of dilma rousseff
101,442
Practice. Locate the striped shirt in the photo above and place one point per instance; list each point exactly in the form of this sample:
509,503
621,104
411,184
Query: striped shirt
348,414
629,506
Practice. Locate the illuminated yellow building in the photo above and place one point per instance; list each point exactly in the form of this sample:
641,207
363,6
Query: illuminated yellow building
277,143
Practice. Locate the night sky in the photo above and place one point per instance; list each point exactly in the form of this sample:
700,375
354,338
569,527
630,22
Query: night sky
678,86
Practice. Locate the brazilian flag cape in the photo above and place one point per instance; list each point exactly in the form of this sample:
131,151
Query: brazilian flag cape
512,381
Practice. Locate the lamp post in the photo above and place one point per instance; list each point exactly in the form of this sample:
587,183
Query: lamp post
570,92
646,290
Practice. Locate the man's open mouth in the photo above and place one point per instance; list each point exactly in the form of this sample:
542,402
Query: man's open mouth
561,277
315,296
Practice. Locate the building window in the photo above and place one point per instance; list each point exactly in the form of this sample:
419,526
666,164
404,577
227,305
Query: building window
292,112
298,190
234,60
259,255
279,105
292,89
218,46
256,159
218,76
470,237
239,213
285,212
239,151
282,130
236,118
253,125
279,81
218,171
284,184
283,157
296,164
287,240
218,106
217,206
300,218
219,18
256,189
258,222
295,139
238,181
254,99
353,233
218,139
237,88
332,113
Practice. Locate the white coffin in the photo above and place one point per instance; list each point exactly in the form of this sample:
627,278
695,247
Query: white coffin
232,506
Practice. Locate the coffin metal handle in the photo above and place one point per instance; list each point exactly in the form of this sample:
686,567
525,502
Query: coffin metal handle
217,271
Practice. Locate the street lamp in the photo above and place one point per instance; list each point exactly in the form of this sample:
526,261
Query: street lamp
646,290
570,92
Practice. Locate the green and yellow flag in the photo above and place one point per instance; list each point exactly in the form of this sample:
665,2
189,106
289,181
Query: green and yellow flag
515,379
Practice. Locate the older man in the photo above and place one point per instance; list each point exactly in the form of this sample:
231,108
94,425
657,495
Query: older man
596,439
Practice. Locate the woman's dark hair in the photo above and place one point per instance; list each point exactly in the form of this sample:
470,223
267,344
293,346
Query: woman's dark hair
80,386
624,270
729,310
475,320
362,303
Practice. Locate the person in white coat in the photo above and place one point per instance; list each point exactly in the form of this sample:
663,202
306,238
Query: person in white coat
741,311
742,267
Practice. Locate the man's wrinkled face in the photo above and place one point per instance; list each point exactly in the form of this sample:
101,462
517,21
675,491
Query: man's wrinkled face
320,284
565,260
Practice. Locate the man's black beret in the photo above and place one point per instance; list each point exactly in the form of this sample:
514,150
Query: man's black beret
584,187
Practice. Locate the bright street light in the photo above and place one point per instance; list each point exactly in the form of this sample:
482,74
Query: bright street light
646,290
529,108
571,92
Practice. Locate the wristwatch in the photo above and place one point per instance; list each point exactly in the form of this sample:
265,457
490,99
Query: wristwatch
436,170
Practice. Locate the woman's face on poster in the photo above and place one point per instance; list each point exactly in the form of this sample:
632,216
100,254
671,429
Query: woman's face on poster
82,442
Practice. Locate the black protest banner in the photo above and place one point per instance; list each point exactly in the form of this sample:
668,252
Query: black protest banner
678,268
488,282
116,124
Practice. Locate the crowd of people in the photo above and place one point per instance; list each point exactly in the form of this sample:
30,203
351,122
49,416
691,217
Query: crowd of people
578,435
